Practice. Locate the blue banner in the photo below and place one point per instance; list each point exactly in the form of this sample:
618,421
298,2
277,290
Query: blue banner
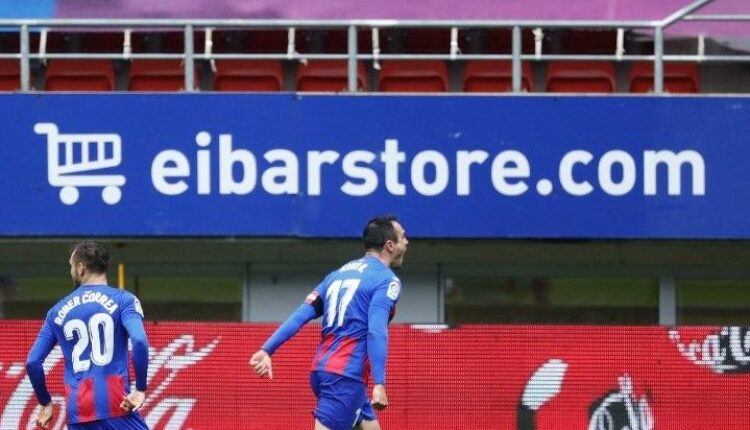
320,166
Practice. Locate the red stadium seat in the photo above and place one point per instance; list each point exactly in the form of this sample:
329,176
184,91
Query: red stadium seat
248,75
10,75
413,76
328,76
495,77
580,77
678,77
79,75
157,75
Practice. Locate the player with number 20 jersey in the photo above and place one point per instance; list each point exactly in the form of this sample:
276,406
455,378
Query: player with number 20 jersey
92,325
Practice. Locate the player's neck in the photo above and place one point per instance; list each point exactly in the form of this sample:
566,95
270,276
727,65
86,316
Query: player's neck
94,279
380,256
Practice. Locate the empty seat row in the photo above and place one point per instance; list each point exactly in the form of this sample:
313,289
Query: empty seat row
331,76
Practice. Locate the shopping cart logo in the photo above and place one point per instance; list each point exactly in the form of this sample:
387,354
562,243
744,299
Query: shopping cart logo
73,161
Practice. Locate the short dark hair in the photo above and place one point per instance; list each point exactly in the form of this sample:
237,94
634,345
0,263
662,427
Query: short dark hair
94,256
378,231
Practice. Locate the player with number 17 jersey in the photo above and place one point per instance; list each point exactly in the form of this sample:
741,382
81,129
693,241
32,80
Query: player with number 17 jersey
359,296
348,298
92,326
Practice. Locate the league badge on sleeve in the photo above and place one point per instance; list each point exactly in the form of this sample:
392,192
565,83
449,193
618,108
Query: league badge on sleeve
138,307
394,289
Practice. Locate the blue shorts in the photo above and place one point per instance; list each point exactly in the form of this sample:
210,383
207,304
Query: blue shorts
367,413
340,400
132,421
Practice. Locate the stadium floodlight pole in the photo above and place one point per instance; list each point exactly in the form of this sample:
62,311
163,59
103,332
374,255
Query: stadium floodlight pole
352,58
516,48
189,59
25,69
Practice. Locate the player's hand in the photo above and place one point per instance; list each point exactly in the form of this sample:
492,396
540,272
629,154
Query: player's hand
44,417
261,363
133,401
379,399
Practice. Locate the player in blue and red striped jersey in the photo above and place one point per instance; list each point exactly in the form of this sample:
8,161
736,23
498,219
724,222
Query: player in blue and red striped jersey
356,302
92,325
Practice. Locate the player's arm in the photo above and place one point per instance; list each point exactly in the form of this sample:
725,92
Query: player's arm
132,320
44,343
311,309
382,304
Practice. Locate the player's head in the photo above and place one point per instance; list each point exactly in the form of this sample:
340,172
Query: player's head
88,258
386,236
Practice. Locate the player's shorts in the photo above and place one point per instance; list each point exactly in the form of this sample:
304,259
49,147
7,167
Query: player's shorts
340,399
367,413
132,421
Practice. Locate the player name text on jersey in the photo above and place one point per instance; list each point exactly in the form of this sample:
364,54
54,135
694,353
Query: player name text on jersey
359,266
87,297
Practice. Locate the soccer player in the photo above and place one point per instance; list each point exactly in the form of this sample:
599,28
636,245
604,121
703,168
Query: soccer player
356,302
92,326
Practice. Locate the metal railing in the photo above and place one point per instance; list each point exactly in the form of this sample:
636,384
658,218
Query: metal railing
516,56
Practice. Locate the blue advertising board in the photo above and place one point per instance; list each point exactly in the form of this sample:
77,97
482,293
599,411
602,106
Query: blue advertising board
286,165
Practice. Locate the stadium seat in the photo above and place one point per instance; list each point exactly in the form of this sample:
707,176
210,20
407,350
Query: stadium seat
678,77
580,77
79,75
10,75
157,75
413,76
495,77
248,75
328,76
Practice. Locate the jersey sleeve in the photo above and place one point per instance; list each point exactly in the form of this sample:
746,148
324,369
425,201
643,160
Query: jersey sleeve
383,302
131,316
290,327
312,308
44,343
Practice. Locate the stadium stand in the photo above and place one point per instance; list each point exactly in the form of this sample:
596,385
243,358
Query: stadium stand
414,58
157,75
580,77
678,78
10,75
79,75
413,76
245,75
328,76
495,76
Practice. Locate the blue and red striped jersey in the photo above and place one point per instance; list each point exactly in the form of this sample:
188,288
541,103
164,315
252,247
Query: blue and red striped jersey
358,300
92,326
